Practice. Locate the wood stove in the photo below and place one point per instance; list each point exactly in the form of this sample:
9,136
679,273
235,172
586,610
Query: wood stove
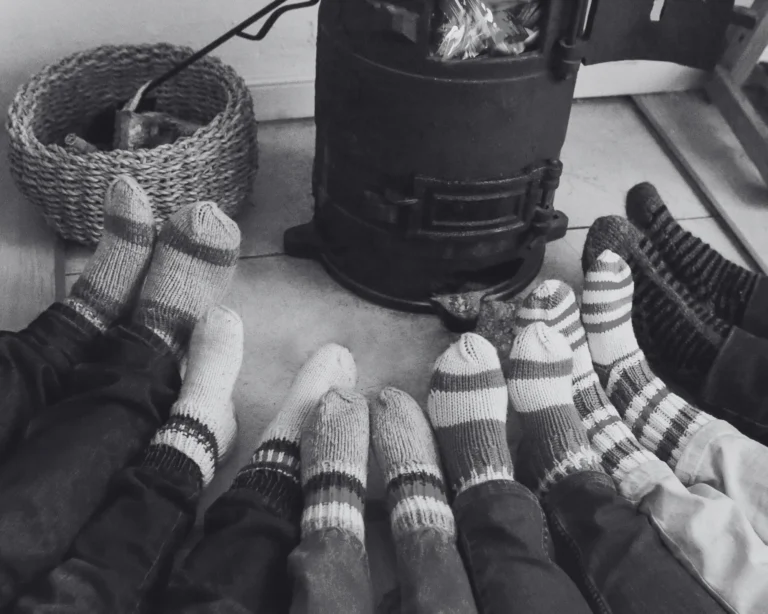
434,178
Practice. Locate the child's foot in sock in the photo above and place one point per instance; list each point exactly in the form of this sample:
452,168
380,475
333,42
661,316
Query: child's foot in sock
706,274
407,453
109,285
677,332
539,383
202,425
468,410
195,259
274,469
554,304
661,420
334,464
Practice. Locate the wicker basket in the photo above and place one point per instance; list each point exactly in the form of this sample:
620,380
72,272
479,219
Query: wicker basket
218,162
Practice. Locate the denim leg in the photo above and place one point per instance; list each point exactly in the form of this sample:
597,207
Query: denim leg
721,457
331,575
432,575
122,556
504,537
240,564
59,475
33,365
707,532
615,555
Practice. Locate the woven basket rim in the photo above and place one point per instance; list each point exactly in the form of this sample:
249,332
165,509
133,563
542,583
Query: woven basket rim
22,109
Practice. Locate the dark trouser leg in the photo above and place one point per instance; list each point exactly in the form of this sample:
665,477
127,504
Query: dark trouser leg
33,365
432,575
504,537
123,554
331,574
240,565
59,476
614,554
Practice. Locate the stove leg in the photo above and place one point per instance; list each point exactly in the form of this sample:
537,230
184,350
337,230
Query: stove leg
303,242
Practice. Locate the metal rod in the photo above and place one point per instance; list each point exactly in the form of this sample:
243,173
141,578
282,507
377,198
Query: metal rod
273,18
213,45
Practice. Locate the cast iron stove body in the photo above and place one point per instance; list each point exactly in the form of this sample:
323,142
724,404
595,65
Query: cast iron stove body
434,178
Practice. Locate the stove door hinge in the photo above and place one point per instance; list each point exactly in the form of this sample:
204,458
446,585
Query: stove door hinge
568,57
547,223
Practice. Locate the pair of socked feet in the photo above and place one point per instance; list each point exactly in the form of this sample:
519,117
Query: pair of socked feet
170,283
690,301
573,419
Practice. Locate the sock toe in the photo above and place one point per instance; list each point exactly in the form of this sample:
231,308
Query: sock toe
401,433
542,358
203,229
643,201
612,233
343,370
552,302
470,354
126,197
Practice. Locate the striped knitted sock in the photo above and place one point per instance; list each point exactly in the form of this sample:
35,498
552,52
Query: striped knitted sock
202,424
407,452
662,421
706,274
554,303
334,465
468,410
191,269
677,332
274,469
539,383
111,280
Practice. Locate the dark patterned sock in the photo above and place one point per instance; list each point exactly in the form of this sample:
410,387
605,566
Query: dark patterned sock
706,274
676,332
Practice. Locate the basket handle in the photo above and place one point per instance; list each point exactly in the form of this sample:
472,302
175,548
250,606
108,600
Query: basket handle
274,9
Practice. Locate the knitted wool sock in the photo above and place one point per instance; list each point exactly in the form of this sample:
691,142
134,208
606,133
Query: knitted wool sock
706,274
468,410
110,282
554,304
274,470
190,271
539,383
661,420
334,465
407,452
202,425
677,332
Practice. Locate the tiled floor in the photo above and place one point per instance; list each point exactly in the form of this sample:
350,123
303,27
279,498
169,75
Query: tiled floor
290,307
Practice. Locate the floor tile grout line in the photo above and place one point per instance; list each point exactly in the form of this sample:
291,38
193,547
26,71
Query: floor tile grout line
679,219
253,257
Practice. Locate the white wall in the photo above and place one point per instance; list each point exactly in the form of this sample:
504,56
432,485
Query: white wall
36,32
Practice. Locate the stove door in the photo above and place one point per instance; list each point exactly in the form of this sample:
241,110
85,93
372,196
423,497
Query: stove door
688,32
